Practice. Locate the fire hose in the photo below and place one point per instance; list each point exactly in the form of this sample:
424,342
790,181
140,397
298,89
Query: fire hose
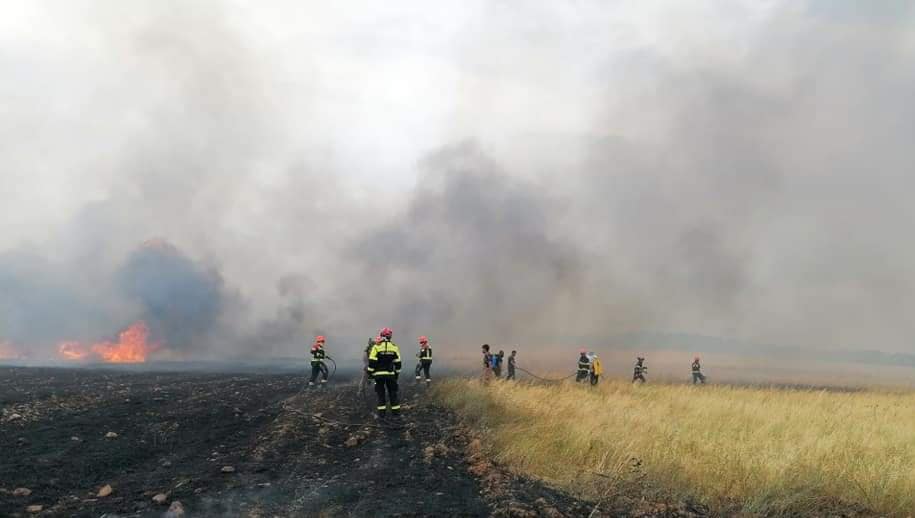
548,380
335,366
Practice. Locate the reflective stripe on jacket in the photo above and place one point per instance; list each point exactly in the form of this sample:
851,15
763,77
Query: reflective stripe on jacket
384,359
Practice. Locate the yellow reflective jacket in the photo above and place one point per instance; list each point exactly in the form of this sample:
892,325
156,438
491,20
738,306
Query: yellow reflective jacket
596,366
384,359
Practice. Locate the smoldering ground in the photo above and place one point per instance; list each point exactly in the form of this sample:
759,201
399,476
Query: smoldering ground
585,188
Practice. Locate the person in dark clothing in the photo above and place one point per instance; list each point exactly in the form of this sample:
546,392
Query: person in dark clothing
365,363
425,359
497,364
584,366
698,377
384,367
511,365
317,362
638,373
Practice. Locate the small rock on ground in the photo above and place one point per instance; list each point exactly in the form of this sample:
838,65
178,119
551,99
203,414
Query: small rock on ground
176,510
22,491
105,490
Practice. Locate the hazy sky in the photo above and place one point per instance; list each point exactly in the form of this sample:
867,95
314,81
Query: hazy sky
477,170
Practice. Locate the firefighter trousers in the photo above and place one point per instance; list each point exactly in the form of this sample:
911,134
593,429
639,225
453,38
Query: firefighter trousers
386,388
318,368
422,368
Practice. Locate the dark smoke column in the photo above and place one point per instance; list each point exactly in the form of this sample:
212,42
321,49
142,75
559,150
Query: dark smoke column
181,300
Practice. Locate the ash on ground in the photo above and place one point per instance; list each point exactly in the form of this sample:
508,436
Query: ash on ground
84,442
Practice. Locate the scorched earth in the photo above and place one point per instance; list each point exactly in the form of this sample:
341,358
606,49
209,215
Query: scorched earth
110,442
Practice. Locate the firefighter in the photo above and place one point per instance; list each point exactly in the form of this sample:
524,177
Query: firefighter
487,363
511,365
425,359
596,369
638,373
317,362
698,377
384,368
584,366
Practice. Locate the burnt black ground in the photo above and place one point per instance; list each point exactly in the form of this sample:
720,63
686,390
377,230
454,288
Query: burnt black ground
295,452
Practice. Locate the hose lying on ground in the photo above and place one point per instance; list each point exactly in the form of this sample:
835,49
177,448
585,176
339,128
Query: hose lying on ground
545,379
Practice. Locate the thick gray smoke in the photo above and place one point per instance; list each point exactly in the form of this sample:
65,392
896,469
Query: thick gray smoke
179,300
554,176
473,254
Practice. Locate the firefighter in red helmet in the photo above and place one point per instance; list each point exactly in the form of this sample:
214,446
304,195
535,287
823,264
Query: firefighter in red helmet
317,362
384,367
425,360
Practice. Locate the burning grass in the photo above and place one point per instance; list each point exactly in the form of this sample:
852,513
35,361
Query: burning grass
132,347
736,450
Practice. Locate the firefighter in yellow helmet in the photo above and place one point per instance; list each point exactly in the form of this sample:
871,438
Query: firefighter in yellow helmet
384,368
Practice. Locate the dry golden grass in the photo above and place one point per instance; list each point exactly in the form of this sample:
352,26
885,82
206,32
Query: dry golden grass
738,450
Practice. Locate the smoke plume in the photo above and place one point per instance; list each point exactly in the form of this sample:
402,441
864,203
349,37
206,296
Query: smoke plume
548,175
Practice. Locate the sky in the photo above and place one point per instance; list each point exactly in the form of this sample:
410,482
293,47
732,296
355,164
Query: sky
546,172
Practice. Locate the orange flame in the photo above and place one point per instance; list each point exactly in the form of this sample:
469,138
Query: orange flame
131,347
8,352
72,351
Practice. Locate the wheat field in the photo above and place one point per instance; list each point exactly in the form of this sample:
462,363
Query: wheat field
739,451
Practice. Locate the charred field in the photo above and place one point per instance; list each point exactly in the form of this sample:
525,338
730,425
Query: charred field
241,444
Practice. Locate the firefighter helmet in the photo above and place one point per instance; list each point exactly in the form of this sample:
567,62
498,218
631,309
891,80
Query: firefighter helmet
319,339
386,332
423,340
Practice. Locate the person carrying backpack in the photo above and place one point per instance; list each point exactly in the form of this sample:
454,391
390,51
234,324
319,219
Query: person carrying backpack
497,364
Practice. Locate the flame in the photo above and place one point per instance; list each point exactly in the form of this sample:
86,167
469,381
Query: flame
72,351
131,347
8,352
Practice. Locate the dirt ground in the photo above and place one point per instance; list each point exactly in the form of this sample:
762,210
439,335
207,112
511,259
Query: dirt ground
241,445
